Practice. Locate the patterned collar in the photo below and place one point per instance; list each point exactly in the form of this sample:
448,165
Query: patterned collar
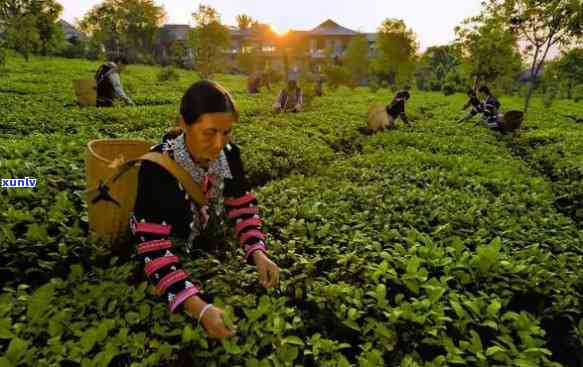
218,168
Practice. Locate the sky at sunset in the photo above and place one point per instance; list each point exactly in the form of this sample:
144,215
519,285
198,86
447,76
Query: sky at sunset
432,20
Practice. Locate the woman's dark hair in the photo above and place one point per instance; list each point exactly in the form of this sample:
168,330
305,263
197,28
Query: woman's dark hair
484,89
403,94
206,96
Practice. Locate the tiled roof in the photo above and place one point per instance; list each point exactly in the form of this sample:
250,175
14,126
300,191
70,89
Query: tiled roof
331,28
70,31
174,32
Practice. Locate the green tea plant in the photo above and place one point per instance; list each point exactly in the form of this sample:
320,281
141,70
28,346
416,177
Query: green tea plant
434,245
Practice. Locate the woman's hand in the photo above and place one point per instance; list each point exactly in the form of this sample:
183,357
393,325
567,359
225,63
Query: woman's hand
268,270
212,320
213,323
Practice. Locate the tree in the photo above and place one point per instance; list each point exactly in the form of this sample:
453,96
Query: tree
31,24
490,50
397,47
209,39
244,21
541,24
356,58
12,8
22,35
564,73
125,27
437,64
47,14
249,61
570,67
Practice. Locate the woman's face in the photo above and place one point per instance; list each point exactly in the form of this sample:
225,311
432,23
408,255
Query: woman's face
208,136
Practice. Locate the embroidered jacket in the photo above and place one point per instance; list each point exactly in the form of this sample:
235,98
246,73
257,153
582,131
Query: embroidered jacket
490,109
164,209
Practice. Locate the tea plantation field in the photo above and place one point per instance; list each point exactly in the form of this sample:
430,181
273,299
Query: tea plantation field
437,245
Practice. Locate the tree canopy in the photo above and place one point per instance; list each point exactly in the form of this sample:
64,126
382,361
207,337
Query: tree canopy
125,27
397,47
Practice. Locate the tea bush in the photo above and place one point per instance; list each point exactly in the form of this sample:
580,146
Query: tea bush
436,245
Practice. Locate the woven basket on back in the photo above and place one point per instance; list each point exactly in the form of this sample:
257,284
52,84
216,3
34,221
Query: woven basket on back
86,91
109,211
377,118
512,120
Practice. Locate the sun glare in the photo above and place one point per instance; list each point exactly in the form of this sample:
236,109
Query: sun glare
279,31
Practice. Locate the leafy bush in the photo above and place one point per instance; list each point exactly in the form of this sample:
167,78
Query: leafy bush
337,76
3,57
168,73
373,85
449,89
441,244
549,96
578,93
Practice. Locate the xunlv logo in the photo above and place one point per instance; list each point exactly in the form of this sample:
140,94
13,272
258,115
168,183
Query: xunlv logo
27,182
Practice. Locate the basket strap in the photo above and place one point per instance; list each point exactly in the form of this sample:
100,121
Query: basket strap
192,188
163,160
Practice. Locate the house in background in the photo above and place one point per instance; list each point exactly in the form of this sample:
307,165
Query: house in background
312,48
72,35
173,43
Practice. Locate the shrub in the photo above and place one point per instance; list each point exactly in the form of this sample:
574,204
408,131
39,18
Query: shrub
578,93
549,96
2,57
168,73
337,76
449,89
373,85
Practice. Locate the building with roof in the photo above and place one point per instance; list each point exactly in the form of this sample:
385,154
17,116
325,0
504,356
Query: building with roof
172,43
312,47
72,35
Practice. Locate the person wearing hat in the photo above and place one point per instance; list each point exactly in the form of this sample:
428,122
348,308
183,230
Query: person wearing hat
396,108
109,85
289,99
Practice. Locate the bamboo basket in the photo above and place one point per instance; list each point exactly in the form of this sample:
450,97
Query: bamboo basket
378,118
104,160
511,120
86,92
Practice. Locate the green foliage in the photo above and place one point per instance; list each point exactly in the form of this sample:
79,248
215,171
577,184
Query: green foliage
209,38
250,62
578,93
337,75
32,26
397,47
490,49
3,56
47,14
564,73
356,59
126,27
22,35
168,73
437,245
540,25
436,65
